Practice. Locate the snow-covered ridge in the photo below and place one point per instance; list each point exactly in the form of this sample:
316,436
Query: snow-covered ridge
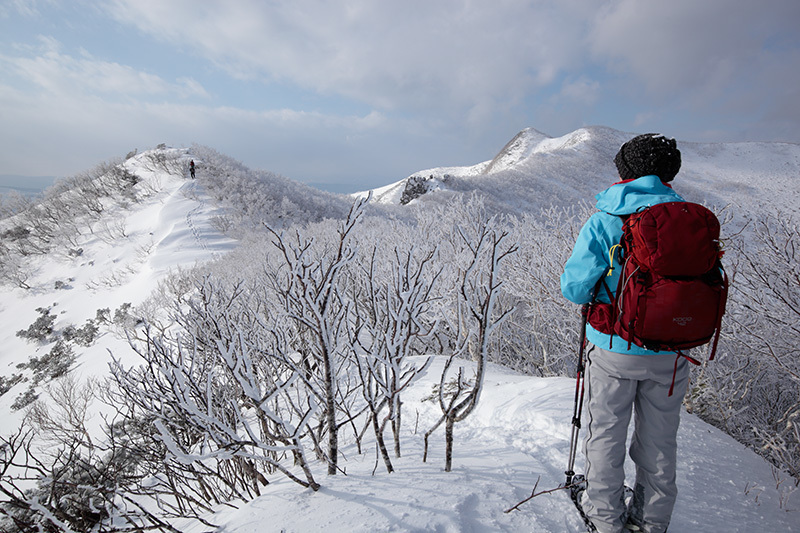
117,259
515,155
421,183
534,170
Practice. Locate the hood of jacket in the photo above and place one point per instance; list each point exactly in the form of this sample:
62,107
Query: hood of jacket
628,197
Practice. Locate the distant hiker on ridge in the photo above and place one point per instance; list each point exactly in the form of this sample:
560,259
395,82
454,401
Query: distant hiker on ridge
191,168
621,376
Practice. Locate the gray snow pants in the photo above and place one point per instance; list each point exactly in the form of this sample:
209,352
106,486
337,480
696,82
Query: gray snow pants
615,385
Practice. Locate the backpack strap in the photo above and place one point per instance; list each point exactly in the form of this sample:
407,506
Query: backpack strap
603,315
675,370
721,311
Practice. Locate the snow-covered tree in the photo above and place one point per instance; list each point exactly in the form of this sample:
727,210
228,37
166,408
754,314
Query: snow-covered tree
477,296
395,314
752,389
221,399
309,287
540,337
58,474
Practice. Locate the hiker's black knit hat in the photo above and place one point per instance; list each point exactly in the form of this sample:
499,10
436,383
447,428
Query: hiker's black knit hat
651,153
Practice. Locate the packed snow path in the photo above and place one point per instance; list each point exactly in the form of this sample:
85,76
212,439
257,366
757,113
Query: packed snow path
519,435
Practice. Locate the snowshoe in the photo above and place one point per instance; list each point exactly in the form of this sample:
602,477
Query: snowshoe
576,489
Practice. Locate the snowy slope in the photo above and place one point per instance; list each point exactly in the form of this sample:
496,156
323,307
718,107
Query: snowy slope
129,253
534,170
518,435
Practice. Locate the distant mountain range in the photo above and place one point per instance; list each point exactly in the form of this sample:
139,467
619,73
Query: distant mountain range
534,170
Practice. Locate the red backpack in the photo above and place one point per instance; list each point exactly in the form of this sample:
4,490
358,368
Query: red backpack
672,291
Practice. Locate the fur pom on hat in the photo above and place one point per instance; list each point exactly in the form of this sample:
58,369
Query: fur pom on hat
651,153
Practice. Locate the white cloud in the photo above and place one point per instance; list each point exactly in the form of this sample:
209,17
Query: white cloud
26,8
46,67
471,63
63,112
417,54
68,130
189,87
582,90
688,45
725,70
401,84
644,117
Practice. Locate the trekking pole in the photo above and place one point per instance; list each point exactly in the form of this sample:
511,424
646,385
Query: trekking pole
578,407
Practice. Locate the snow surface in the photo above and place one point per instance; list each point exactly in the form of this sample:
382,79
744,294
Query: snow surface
518,436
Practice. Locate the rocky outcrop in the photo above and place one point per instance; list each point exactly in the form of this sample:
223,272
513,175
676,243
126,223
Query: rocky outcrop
417,185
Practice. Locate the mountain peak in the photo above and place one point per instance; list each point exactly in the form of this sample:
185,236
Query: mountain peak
516,150
534,170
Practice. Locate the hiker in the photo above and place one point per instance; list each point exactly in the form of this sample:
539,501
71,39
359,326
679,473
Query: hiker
191,168
621,377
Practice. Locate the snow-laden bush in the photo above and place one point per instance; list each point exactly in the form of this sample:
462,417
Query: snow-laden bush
752,389
41,329
253,197
55,477
57,219
83,336
541,337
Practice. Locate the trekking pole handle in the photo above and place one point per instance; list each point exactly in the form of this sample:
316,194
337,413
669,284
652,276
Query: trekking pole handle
584,319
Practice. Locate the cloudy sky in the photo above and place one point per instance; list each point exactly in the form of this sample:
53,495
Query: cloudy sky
361,93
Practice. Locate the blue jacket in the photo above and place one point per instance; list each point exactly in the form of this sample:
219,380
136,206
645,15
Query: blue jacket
590,256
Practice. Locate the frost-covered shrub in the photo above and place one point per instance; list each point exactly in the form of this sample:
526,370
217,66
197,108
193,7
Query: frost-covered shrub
103,316
66,210
42,327
6,383
16,233
71,496
542,334
83,336
24,399
14,268
123,317
52,365
163,160
252,197
63,285
123,179
70,482
751,389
